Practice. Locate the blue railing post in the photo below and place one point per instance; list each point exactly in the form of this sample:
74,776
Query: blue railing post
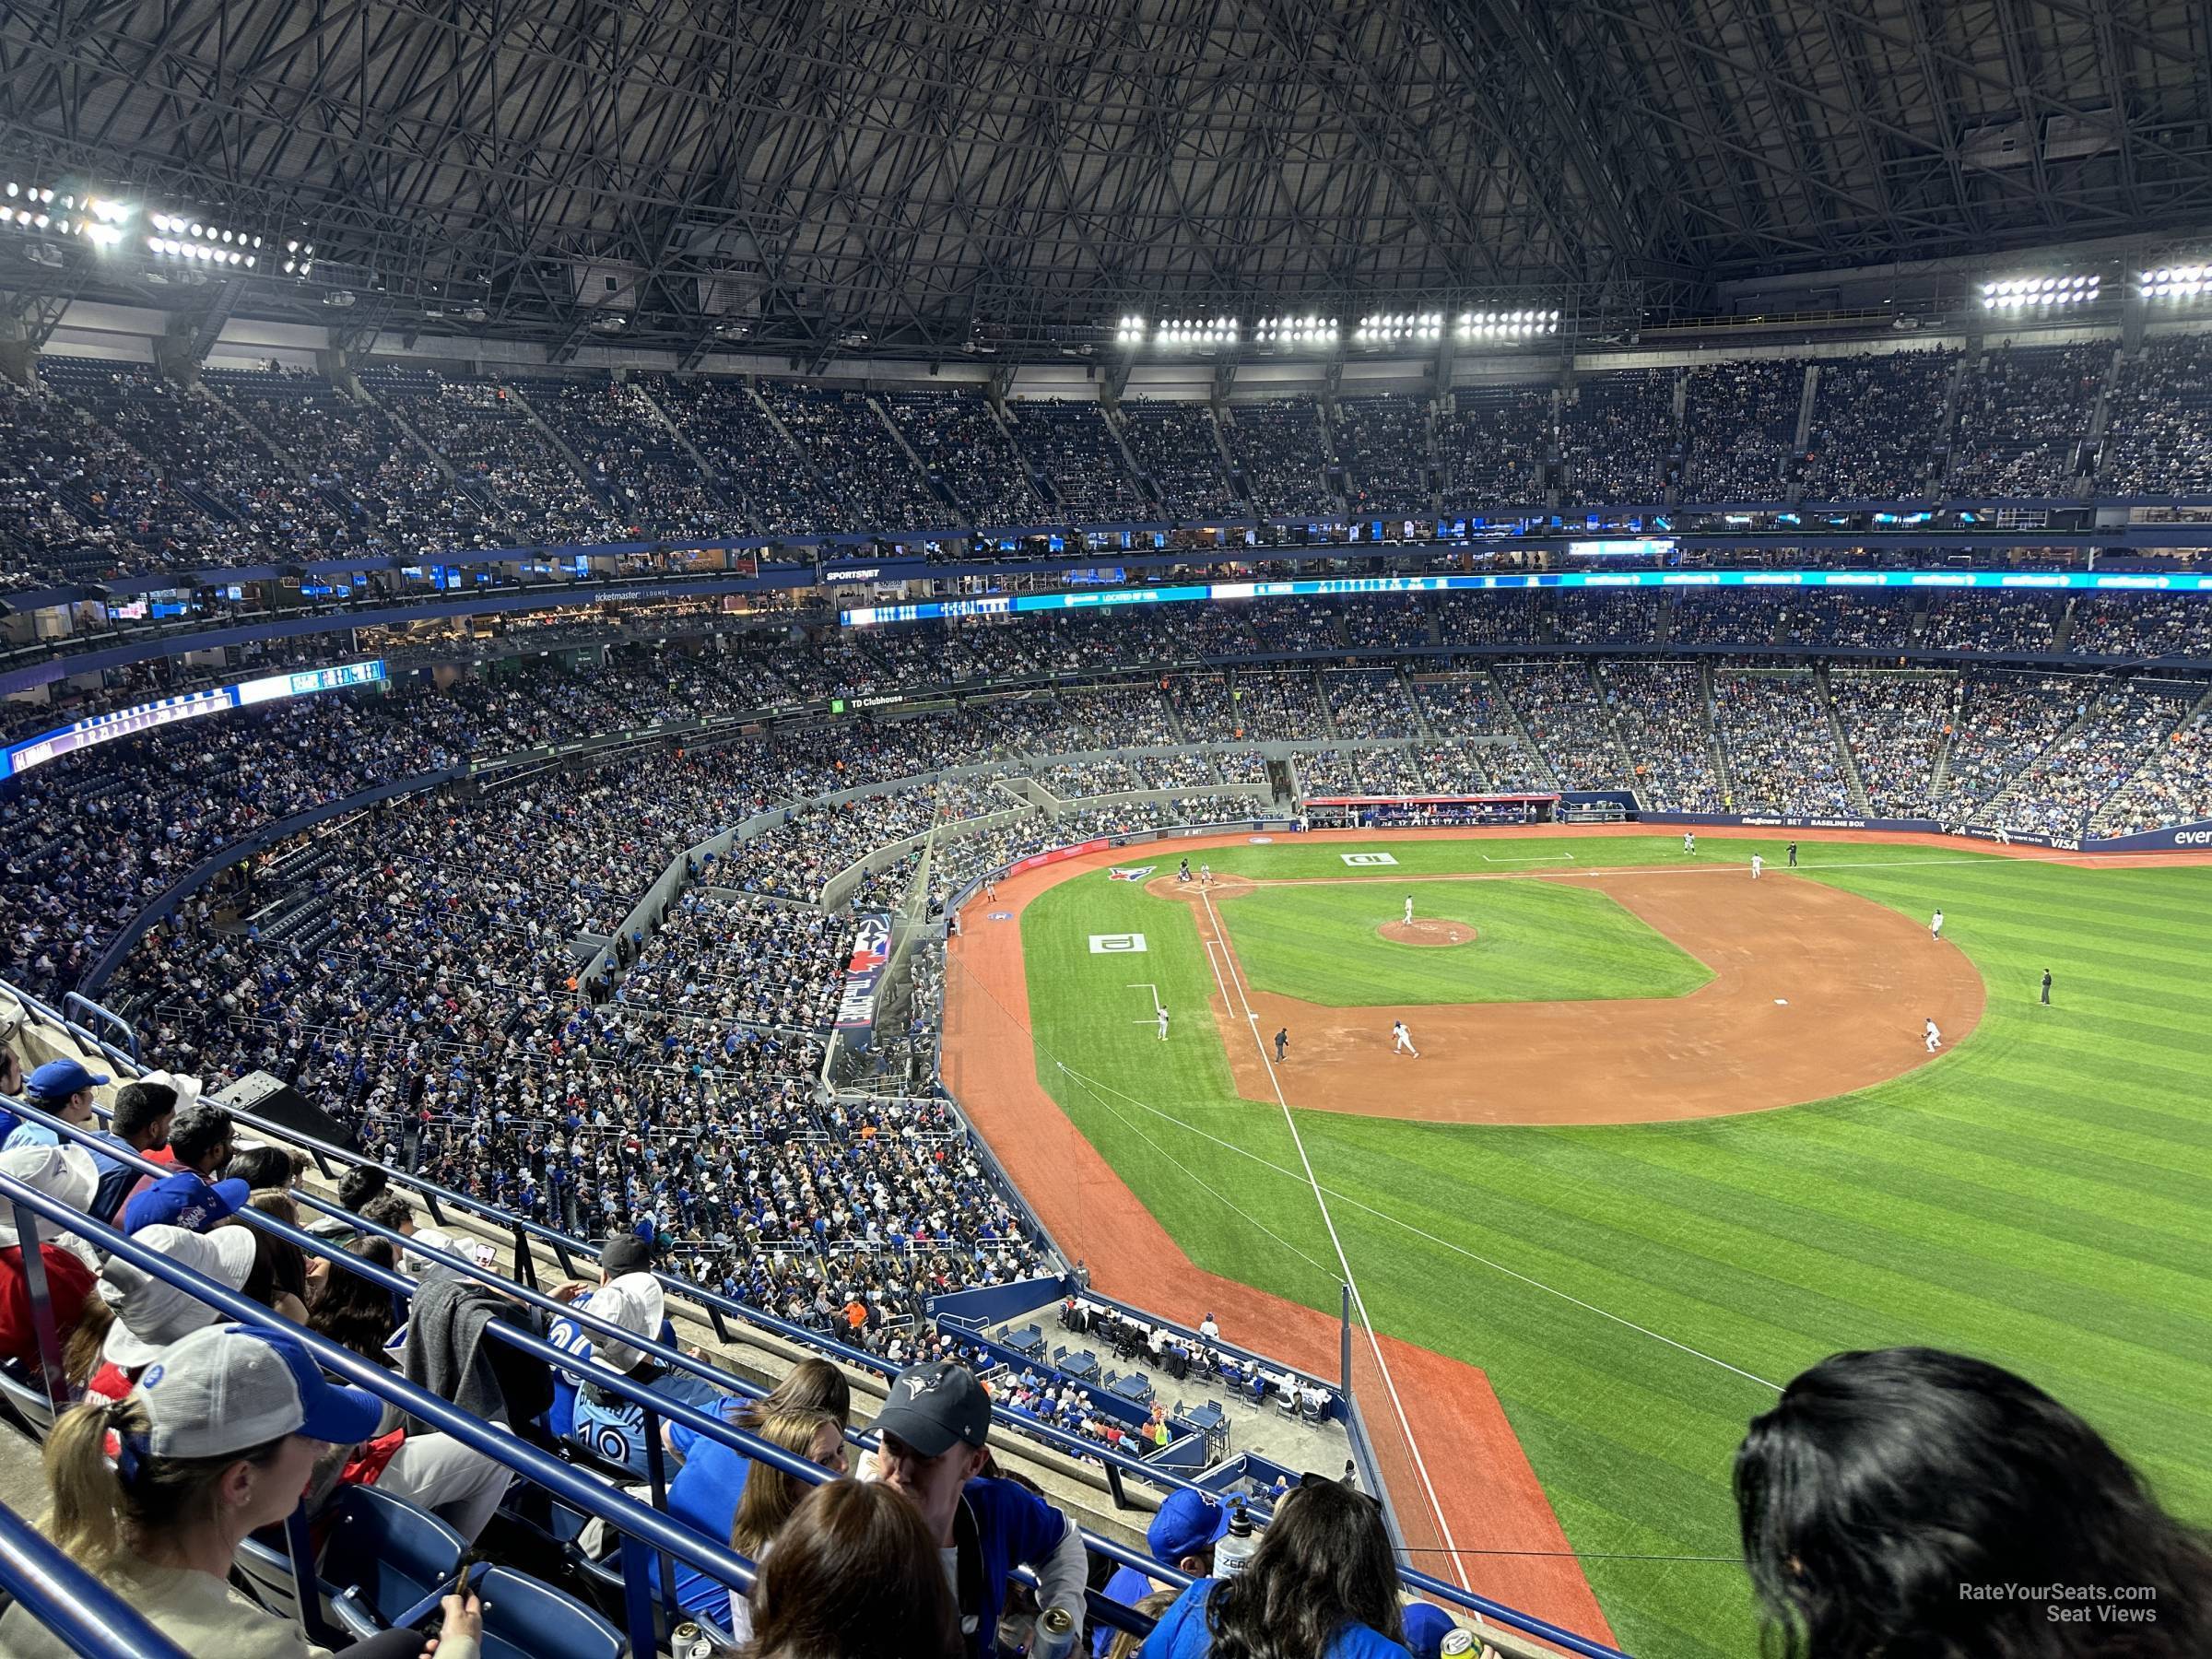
53,1373
77,1000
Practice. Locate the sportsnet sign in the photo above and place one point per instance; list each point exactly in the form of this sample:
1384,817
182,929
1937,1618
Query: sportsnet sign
863,975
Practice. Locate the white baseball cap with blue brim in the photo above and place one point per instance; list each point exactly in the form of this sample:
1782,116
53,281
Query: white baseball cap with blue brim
233,1387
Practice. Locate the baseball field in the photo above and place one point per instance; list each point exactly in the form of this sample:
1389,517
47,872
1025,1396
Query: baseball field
1671,1135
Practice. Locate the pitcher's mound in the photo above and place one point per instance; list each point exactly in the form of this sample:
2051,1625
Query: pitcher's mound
1426,931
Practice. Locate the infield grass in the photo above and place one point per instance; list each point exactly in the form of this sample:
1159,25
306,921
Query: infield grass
1534,941
2040,1196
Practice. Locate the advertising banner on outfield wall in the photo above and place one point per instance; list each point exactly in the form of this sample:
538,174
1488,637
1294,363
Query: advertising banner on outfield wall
864,978
1039,860
1755,822
2185,838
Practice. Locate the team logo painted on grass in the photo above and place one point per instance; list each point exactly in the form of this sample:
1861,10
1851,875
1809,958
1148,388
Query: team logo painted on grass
1362,859
1261,840
1002,916
1116,943
1134,873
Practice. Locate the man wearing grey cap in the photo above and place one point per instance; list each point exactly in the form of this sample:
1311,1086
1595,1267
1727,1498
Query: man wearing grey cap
934,1426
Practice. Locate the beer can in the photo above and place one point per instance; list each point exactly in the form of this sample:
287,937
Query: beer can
1458,1641
1056,1634
690,1642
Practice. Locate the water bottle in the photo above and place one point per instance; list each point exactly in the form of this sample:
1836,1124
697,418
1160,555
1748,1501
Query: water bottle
1237,1545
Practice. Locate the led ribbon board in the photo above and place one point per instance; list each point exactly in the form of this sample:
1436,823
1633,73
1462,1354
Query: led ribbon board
2072,581
192,705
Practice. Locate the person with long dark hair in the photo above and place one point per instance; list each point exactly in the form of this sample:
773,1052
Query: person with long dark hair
1322,1584
855,1575
1914,1502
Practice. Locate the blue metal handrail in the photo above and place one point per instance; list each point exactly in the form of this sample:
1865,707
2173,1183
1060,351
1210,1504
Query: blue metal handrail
80,1612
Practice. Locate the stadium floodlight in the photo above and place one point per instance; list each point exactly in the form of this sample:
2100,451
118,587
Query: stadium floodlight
2179,283
1310,332
2013,293
1519,324
96,219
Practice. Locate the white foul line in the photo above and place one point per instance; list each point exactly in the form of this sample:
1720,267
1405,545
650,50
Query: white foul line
1092,1086
1352,1285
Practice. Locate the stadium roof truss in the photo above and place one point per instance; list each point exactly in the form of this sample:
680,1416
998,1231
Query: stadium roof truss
936,176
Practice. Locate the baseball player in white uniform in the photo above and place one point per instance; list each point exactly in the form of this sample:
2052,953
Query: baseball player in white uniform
1690,842
1401,1040
1163,1025
1758,862
1933,1036
1205,875
1409,910
1935,926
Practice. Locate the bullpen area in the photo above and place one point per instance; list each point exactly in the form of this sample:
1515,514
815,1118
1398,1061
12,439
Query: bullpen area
1656,1137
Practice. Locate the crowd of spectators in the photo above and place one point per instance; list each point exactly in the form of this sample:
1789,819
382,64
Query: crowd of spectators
2023,414
859,459
1659,711
393,495
2003,725
1601,619
963,448
483,432
1740,419
1493,444
744,960
1282,452
757,465
1559,707
2120,730
2158,438
1369,703
1176,450
2172,784
112,470
1618,437
632,459
1876,420
1894,726
2140,625
1782,753
91,840
1993,622
1383,445
1069,442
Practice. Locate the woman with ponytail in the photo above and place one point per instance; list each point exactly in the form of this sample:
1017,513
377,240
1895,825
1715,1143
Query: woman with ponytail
152,1494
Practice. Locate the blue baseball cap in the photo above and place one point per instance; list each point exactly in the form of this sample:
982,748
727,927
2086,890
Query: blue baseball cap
58,1079
1426,1625
1187,1523
186,1201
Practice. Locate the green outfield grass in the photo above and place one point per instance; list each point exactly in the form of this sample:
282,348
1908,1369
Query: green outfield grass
2041,1197
1535,941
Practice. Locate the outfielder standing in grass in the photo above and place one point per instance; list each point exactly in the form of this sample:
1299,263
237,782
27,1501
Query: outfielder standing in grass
1163,1023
